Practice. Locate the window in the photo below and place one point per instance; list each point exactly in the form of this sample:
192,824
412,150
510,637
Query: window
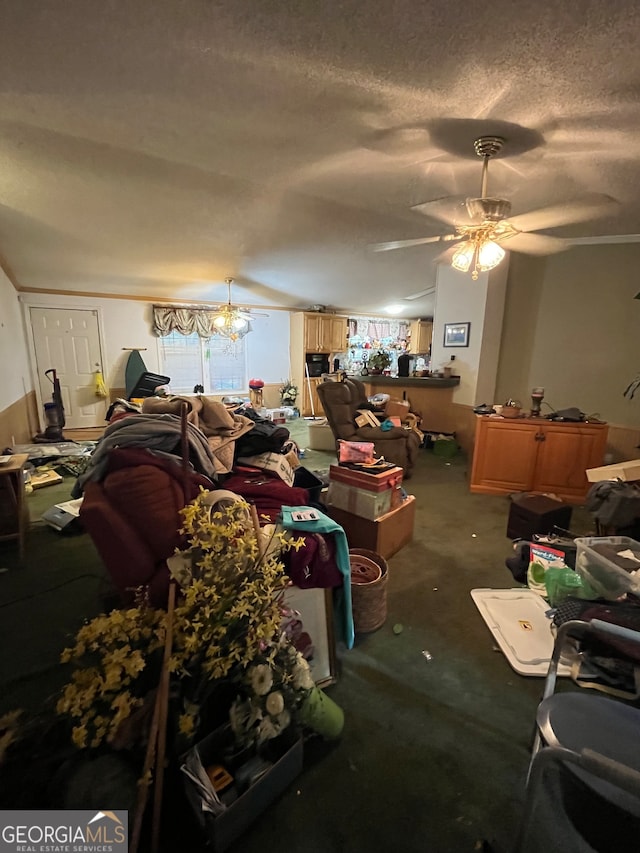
218,364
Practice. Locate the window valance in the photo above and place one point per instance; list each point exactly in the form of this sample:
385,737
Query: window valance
173,318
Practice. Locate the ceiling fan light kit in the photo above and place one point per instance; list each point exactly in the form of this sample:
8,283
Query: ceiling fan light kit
483,255
229,321
483,224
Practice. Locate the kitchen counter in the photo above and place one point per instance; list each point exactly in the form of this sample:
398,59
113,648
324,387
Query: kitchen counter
408,381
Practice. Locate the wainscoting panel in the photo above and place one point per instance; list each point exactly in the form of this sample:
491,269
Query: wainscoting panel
464,427
19,421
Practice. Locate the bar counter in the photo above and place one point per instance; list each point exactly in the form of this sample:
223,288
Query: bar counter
407,381
429,396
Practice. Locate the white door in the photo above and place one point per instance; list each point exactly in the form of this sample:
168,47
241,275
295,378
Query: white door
68,341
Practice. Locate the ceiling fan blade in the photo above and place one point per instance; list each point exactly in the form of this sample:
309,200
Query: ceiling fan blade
534,244
404,244
579,210
248,313
451,210
426,292
447,255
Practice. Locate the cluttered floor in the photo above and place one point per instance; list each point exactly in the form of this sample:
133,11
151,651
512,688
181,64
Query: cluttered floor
438,724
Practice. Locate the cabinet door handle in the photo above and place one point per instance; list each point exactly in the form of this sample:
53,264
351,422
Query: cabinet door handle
540,436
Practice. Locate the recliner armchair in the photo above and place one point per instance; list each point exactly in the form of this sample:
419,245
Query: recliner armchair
341,401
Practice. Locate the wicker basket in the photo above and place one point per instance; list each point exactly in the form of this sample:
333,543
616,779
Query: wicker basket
364,570
369,599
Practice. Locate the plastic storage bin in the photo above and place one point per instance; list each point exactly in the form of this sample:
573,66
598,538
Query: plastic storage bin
321,437
224,829
306,479
599,560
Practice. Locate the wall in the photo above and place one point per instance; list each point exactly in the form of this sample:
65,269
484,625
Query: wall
127,323
17,400
522,307
571,325
460,299
14,358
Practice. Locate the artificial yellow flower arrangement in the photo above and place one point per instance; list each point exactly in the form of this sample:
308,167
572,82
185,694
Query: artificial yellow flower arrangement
227,617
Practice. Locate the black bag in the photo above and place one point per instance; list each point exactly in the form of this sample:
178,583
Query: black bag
265,437
614,503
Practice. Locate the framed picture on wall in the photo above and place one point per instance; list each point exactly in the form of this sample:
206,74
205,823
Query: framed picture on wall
456,334
309,625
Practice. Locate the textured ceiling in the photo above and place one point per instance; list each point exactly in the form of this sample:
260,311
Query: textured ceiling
155,147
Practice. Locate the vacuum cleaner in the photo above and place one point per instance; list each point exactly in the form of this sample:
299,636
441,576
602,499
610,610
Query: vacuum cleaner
53,413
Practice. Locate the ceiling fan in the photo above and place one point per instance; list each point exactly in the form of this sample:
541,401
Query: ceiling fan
483,224
233,322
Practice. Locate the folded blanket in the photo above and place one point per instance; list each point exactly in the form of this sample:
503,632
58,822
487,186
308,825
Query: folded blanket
156,432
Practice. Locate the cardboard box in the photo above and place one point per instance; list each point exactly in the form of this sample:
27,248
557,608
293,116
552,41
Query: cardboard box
321,436
225,828
386,535
362,502
391,478
397,408
44,478
627,471
365,417
277,416
275,462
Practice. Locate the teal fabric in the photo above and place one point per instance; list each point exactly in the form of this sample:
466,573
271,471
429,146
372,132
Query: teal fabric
324,524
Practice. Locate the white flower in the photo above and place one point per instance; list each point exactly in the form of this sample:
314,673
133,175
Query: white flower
239,716
242,716
268,729
302,678
275,703
261,679
283,720
271,727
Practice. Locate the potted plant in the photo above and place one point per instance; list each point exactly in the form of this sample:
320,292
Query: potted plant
288,393
379,361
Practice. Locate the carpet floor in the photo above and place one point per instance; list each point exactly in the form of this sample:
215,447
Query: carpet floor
435,748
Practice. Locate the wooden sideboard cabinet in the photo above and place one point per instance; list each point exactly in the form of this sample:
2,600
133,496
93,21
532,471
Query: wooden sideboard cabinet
535,455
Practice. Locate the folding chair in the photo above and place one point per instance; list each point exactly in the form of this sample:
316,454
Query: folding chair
580,801
574,719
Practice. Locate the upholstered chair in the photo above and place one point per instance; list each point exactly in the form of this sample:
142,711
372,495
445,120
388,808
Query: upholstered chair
341,401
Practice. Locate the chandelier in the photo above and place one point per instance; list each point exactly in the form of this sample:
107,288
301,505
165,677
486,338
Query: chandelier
229,321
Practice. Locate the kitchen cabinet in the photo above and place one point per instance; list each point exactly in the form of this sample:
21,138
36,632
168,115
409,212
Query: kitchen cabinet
325,333
535,455
309,394
313,333
421,334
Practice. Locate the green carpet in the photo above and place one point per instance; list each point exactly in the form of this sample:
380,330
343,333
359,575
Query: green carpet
434,752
